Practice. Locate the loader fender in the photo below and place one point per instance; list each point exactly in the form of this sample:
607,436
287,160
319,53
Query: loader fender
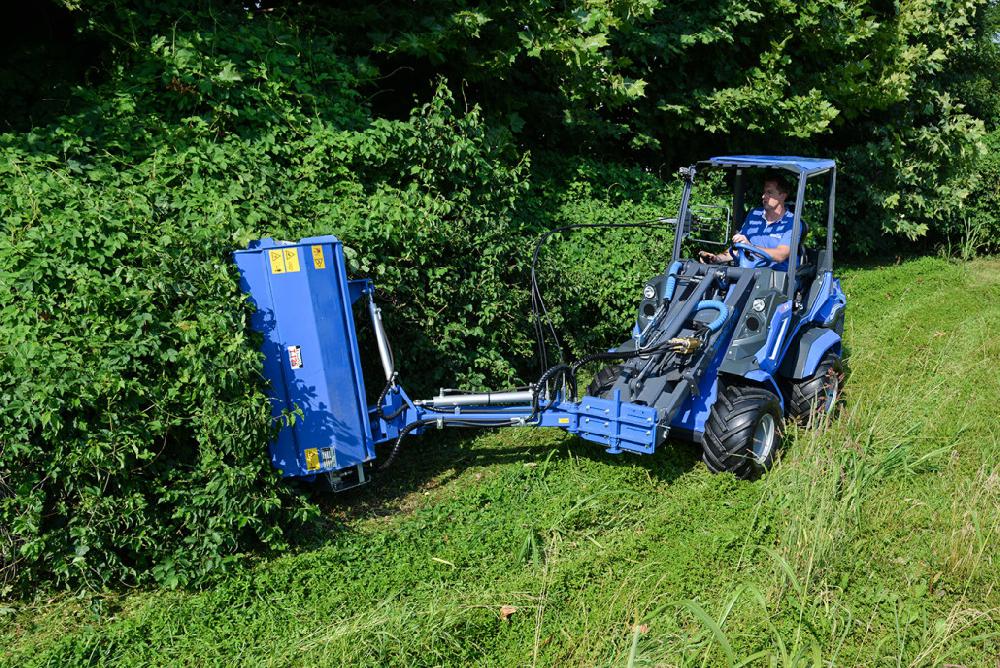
766,379
804,356
695,413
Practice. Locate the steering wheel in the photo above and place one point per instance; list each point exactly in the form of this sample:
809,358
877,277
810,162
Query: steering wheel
761,258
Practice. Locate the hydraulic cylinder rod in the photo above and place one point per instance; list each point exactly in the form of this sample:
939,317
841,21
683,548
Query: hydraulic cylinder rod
479,399
384,352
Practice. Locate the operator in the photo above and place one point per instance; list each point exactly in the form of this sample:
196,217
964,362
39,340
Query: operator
768,227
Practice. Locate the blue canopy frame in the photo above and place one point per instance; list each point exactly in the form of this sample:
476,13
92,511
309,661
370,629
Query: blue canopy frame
804,168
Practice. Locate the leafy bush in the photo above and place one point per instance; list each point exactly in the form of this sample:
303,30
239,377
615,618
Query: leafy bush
132,412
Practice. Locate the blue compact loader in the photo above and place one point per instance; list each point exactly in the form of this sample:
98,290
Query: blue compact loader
720,354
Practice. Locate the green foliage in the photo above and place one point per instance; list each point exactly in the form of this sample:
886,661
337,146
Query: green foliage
133,416
979,228
880,87
971,76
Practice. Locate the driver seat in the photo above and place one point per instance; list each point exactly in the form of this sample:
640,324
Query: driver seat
806,272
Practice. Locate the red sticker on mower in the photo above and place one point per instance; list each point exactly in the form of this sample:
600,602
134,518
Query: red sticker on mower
295,356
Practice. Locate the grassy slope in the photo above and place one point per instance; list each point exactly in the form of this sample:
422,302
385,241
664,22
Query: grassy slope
872,543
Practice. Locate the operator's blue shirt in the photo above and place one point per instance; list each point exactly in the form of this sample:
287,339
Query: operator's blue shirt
764,235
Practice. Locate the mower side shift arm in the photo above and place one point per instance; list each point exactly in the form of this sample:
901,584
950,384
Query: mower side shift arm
616,424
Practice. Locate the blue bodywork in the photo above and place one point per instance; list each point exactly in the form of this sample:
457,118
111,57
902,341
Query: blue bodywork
304,311
302,302
783,331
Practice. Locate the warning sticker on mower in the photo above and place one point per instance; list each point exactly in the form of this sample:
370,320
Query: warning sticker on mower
295,357
318,260
284,260
312,459
277,261
291,259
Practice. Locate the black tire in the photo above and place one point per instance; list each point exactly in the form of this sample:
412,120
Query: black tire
604,380
812,399
743,432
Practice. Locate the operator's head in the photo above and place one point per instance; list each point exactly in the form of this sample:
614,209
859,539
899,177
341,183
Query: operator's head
776,191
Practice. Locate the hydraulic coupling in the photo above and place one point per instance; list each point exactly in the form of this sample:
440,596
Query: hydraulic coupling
685,345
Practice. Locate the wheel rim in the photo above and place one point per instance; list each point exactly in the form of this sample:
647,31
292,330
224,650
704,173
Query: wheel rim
763,438
830,392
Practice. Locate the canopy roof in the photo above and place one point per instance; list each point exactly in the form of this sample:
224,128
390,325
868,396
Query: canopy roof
793,163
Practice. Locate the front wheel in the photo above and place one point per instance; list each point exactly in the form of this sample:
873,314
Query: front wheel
604,380
743,432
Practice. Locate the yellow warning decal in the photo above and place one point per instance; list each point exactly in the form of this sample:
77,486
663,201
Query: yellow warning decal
291,259
318,260
563,420
277,261
312,459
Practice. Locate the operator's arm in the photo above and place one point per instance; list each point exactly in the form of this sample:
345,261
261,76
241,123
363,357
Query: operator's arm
715,258
778,254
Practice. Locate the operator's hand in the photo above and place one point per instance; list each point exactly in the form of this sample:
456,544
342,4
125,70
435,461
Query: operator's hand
740,239
706,257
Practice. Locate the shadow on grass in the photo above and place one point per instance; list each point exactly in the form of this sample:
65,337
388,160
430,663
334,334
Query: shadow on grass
435,459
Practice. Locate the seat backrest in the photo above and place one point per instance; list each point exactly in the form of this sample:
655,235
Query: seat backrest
803,251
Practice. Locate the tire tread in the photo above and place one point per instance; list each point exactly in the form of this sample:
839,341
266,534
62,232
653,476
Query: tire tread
730,426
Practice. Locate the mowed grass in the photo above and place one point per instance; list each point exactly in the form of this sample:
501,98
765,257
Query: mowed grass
873,543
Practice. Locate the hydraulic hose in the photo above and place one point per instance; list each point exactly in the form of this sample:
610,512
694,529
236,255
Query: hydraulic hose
594,357
617,355
399,440
723,310
381,398
564,369
455,421
668,289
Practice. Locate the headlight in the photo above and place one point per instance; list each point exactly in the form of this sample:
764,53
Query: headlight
758,305
649,292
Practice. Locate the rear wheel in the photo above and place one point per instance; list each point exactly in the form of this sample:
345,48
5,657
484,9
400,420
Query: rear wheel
743,432
813,398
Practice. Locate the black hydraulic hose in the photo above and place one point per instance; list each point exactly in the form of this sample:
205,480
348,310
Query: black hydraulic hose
381,397
399,440
563,369
405,431
618,355
621,355
594,357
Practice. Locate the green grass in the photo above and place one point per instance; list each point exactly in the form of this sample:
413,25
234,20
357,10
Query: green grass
871,544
